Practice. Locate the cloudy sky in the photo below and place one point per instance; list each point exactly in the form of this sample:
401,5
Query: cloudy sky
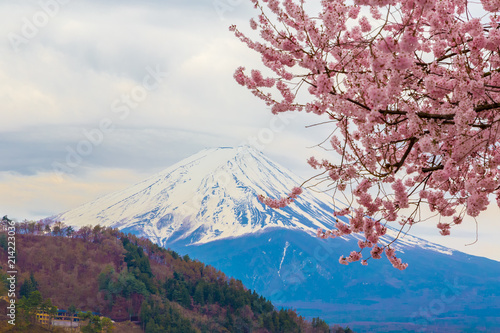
98,95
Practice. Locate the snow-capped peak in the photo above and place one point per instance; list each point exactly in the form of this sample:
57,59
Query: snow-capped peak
212,195
208,196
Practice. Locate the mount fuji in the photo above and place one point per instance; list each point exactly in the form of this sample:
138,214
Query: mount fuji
206,206
209,196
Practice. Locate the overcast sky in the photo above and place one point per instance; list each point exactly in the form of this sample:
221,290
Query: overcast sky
98,96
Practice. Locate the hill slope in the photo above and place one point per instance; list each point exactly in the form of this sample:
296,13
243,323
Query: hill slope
120,276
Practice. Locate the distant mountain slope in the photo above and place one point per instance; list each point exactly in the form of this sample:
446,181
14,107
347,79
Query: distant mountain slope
438,292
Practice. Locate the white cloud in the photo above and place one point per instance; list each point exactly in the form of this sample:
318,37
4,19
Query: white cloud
44,194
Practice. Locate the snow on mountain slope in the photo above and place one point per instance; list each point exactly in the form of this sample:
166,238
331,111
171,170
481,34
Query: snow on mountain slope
212,195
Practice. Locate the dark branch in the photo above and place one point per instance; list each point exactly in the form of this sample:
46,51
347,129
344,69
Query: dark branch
434,168
486,107
398,165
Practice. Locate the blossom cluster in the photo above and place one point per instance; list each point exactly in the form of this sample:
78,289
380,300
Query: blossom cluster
412,91
282,202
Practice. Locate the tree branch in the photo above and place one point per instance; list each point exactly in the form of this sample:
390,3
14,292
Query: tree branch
434,168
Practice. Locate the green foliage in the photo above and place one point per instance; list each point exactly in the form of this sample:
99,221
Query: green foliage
107,325
270,321
48,307
35,299
229,323
152,327
199,293
174,255
163,317
93,323
119,284
3,242
28,306
178,290
4,283
320,325
28,286
231,294
69,231
72,309
104,278
287,322
138,264
234,297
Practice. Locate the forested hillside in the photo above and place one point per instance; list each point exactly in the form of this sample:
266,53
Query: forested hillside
129,278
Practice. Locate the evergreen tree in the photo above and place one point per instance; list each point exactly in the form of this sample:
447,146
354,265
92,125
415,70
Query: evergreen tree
107,325
28,286
181,296
29,306
267,322
199,296
69,231
229,323
320,325
94,324
152,327
3,242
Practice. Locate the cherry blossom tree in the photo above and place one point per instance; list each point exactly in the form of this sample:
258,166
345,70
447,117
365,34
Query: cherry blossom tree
411,91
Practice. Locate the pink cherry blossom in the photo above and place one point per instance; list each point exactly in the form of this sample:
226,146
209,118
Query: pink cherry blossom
354,256
376,252
341,212
413,101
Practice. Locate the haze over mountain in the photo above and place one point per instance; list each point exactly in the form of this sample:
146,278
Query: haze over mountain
206,206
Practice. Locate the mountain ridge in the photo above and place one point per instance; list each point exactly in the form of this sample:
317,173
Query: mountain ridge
182,192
